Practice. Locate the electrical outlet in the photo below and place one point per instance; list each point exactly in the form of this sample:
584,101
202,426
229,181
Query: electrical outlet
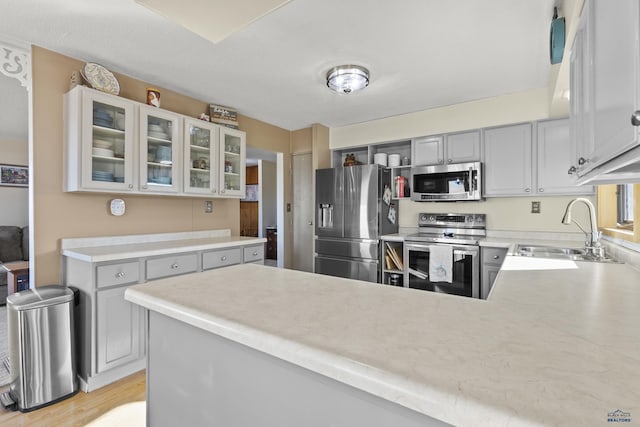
535,207
208,206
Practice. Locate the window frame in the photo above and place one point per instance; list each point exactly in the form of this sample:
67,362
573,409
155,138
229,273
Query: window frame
608,219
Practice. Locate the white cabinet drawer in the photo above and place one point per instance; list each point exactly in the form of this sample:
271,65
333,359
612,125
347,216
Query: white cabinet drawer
221,258
117,274
171,266
254,253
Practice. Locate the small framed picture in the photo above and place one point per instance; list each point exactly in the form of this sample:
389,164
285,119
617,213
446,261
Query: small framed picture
14,176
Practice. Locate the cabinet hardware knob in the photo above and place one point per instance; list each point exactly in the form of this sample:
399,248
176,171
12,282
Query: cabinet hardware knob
174,266
310,222
130,186
582,161
440,161
255,253
541,190
450,160
527,190
496,257
223,258
572,170
119,275
635,118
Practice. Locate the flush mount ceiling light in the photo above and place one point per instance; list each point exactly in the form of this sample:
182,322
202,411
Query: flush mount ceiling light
347,78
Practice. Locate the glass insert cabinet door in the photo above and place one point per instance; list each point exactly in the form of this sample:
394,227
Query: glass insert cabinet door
232,155
159,150
201,157
107,143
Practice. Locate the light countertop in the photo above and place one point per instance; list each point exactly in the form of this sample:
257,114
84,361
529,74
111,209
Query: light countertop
115,248
558,343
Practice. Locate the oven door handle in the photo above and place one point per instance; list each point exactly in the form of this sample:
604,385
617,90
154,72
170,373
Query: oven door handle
419,274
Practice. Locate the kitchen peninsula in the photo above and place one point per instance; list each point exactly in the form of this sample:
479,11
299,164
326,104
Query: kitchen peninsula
557,343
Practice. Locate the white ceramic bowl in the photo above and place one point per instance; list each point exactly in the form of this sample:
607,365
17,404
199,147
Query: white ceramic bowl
380,158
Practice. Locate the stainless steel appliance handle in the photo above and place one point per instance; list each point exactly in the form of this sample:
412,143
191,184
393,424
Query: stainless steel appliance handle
470,180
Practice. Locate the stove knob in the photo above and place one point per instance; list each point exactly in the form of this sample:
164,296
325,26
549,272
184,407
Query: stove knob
432,218
479,219
423,217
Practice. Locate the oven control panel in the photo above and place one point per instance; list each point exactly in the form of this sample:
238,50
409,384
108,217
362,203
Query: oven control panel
426,219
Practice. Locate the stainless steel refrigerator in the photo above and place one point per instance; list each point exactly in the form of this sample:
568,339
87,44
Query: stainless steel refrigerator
353,209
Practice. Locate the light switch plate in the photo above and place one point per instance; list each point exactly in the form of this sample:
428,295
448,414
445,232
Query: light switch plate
208,206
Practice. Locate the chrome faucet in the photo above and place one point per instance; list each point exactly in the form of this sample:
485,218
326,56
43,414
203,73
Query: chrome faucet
592,245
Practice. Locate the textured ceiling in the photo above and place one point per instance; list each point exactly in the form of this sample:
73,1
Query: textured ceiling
421,53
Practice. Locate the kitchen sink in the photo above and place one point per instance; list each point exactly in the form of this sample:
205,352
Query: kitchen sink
574,254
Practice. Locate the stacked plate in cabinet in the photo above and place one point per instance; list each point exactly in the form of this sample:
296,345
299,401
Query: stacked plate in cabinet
102,176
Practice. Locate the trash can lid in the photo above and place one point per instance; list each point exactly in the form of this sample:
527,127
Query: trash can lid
42,296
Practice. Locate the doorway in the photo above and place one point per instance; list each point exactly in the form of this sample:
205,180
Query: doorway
302,212
262,210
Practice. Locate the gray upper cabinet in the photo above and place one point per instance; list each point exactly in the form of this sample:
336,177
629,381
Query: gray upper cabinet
462,147
554,151
605,84
528,159
507,160
427,150
459,147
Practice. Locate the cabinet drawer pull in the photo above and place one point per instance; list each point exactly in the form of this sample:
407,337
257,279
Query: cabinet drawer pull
255,253
527,190
541,190
496,257
582,161
223,258
635,118
572,170
174,266
120,275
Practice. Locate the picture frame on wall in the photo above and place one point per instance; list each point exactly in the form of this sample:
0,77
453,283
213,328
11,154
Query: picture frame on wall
14,176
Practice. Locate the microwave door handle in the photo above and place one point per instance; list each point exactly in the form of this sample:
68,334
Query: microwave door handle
470,178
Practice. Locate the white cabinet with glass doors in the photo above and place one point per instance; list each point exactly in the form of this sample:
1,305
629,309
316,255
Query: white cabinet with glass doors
99,142
160,150
117,145
201,167
232,162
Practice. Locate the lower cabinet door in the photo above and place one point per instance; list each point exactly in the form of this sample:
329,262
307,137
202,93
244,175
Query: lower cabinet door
119,329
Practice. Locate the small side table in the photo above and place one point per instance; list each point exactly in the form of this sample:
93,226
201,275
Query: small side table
17,276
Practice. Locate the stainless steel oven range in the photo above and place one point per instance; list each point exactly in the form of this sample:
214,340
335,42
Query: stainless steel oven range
445,255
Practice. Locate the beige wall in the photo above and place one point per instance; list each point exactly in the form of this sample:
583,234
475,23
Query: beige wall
513,108
301,141
506,213
60,215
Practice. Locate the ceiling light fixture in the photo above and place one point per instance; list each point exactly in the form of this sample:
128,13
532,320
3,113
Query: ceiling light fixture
347,78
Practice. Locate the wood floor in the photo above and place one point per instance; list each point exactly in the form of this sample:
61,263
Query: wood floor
81,408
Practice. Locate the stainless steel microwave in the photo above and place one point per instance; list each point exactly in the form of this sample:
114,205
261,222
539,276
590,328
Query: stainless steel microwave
452,182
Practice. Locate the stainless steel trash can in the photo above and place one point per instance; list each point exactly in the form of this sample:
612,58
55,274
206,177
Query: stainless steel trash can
41,346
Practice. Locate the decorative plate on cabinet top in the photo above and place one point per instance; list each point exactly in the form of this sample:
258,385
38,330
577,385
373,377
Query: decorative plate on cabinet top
100,78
